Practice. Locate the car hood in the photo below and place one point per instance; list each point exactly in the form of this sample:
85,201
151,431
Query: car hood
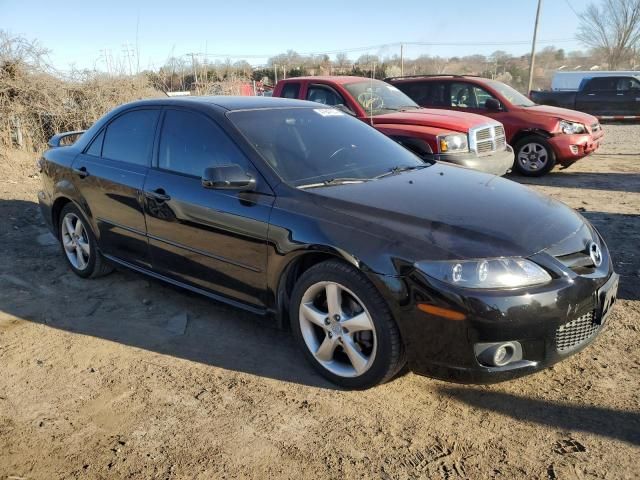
562,114
430,117
447,212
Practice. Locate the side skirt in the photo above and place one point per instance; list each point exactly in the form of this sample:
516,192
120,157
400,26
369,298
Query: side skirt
206,293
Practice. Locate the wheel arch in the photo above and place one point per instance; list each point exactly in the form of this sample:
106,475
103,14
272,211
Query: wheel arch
295,264
528,133
60,202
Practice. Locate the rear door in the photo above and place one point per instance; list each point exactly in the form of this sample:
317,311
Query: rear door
110,176
212,239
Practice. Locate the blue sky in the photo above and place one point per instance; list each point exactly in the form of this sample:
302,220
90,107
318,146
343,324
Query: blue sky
77,31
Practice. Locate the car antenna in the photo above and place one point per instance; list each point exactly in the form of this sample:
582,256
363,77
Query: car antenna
373,73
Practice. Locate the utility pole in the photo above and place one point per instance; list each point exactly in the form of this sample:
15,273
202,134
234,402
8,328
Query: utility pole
401,59
533,47
275,73
193,66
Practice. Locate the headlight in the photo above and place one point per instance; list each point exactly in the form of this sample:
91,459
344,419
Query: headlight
490,273
454,143
572,127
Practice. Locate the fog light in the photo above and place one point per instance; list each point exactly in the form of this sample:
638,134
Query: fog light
498,354
574,149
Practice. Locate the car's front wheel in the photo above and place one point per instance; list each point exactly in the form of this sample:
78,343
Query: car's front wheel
344,326
534,156
79,245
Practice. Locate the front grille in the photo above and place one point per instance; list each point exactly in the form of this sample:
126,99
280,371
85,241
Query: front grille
484,134
484,147
574,333
489,139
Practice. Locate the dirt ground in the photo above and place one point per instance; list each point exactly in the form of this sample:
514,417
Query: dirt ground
101,379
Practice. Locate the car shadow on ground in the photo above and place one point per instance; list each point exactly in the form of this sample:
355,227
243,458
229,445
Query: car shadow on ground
131,309
622,182
616,424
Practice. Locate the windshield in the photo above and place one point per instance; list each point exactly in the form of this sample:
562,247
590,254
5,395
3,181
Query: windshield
315,145
512,95
377,97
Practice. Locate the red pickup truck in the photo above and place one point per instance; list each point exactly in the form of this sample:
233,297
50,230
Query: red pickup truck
458,137
541,135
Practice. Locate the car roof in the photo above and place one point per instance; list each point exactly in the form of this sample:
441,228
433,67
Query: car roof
340,79
227,102
412,78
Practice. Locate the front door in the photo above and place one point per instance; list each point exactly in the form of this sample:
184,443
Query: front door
211,239
110,175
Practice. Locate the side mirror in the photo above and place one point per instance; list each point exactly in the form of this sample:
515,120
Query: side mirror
229,177
345,109
492,104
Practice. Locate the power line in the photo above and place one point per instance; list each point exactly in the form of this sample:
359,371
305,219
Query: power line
388,45
575,12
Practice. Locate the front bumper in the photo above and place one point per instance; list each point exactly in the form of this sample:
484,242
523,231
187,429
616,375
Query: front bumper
569,148
537,318
498,163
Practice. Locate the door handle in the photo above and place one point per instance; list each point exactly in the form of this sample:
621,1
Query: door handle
81,172
158,194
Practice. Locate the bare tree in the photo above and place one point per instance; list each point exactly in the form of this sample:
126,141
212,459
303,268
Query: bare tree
612,28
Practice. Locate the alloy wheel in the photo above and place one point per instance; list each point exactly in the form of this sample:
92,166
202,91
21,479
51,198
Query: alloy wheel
337,329
75,241
533,157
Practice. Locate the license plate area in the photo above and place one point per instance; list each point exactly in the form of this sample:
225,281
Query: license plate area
607,296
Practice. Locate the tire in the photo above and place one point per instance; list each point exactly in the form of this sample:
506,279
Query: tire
357,350
79,245
534,156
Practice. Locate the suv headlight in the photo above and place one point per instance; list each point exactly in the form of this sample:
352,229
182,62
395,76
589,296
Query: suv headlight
572,127
454,143
489,273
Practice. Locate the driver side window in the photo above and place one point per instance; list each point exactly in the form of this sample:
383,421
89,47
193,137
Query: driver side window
482,96
462,95
190,142
324,95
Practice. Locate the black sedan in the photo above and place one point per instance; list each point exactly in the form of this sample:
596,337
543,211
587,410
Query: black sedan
373,258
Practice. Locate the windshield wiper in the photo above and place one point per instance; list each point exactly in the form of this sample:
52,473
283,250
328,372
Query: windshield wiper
400,169
335,181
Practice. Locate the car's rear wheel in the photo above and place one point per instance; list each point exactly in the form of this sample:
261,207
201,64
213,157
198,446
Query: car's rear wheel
344,327
534,156
79,245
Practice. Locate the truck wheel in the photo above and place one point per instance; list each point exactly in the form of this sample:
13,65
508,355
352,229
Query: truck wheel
344,327
534,156
79,245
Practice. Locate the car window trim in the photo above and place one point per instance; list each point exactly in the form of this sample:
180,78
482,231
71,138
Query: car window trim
93,139
155,133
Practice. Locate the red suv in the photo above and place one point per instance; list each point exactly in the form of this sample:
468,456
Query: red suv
541,135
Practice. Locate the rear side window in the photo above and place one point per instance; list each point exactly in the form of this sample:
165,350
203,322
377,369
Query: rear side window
602,84
129,138
428,94
291,90
190,142
95,148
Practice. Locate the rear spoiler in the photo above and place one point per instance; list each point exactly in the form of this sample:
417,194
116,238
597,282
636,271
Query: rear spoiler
56,140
